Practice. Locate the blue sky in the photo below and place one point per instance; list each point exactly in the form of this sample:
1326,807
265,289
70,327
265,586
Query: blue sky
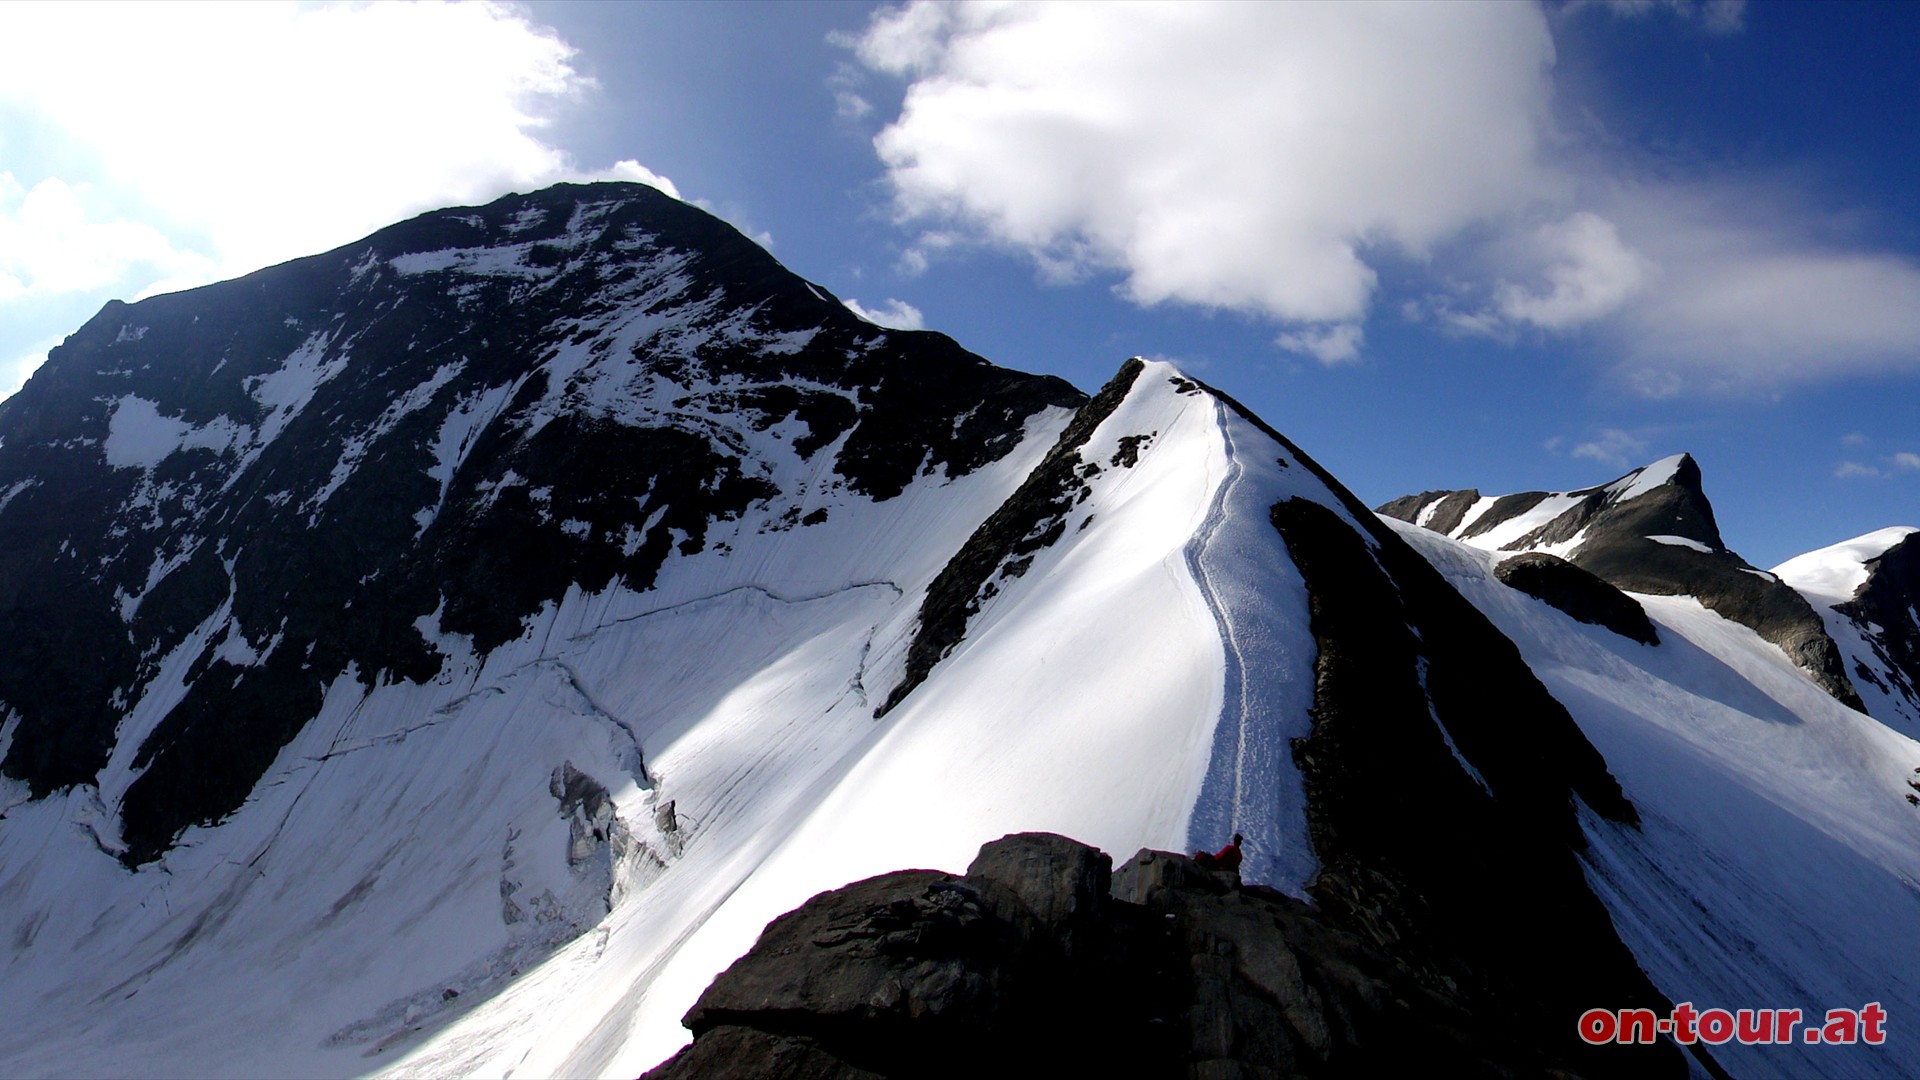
1508,246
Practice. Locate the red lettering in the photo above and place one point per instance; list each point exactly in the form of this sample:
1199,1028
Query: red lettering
1637,1025
1842,1027
1597,1026
1716,1026
1683,1017
1873,1020
1754,1026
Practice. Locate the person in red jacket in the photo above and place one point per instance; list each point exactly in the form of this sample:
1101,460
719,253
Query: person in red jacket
1227,858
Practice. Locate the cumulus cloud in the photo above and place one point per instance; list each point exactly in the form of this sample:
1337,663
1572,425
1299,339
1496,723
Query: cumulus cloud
1906,461
892,314
1241,157
52,242
1293,161
1854,470
1614,447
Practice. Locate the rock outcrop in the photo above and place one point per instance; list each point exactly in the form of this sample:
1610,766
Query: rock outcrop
1581,595
1042,961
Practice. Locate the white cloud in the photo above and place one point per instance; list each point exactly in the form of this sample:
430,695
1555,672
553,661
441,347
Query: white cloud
1335,343
892,314
1590,273
1279,159
1854,470
203,141
1246,157
52,242
1753,296
1613,447
629,169
848,105
1853,438
1906,460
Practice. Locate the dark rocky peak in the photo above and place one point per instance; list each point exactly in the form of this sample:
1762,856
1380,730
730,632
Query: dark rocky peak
332,465
1043,961
1662,499
1650,531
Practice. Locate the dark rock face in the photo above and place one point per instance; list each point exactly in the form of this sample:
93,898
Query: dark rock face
1578,593
1412,684
1449,508
1619,550
1884,609
454,420
1028,966
1003,546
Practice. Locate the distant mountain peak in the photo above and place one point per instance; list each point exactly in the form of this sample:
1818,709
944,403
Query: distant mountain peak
1651,530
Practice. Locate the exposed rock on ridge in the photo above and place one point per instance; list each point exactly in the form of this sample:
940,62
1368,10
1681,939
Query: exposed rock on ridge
1032,518
1040,961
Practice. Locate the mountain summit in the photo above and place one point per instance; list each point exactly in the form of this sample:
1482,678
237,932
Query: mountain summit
218,503
446,654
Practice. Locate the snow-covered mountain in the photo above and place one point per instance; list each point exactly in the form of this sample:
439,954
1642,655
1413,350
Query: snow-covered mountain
444,655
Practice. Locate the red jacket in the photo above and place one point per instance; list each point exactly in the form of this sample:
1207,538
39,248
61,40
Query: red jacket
1228,858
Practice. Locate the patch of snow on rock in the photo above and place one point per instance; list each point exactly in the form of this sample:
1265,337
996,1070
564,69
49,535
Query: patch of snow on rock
1681,541
1654,476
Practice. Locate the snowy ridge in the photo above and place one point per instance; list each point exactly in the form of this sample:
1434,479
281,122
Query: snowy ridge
1259,601
1833,574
